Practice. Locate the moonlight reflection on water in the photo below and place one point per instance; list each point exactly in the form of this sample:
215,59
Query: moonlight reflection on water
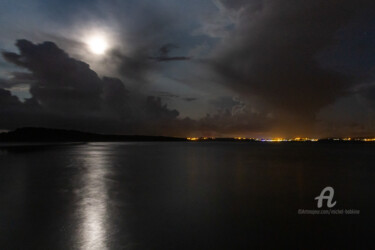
92,208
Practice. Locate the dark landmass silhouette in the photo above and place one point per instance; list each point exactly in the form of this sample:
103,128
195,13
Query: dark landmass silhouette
49,135
32,134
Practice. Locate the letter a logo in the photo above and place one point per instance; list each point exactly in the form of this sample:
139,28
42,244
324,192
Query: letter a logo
328,197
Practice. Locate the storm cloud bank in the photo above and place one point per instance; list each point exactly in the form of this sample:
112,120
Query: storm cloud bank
66,93
271,52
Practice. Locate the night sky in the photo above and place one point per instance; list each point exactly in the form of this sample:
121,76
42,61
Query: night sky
254,68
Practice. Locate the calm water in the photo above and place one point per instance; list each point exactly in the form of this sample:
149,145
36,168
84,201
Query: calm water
178,195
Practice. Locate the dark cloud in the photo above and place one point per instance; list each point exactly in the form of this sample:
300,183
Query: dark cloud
164,52
228,104
8,100
134,66
226,123
5,83
16,79
157,110
271,53
66,93
137,65
115,97
367,94
190,99
62,83
166,94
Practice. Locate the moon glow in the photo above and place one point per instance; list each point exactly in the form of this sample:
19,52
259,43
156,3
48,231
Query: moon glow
97,45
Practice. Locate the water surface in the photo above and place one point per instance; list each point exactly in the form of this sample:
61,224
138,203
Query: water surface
182,195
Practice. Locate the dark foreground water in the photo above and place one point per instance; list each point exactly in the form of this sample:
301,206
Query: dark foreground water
178,195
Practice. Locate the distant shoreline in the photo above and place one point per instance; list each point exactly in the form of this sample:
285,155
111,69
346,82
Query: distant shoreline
20,145
46,135
31,136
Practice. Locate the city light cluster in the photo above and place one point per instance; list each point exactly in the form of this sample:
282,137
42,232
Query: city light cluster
193,138
297,139
200,138
368,139
277,139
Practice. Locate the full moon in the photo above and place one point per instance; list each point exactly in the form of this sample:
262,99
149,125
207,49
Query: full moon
97,45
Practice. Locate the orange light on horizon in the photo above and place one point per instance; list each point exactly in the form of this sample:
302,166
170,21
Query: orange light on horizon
280,139
192,138
277,140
